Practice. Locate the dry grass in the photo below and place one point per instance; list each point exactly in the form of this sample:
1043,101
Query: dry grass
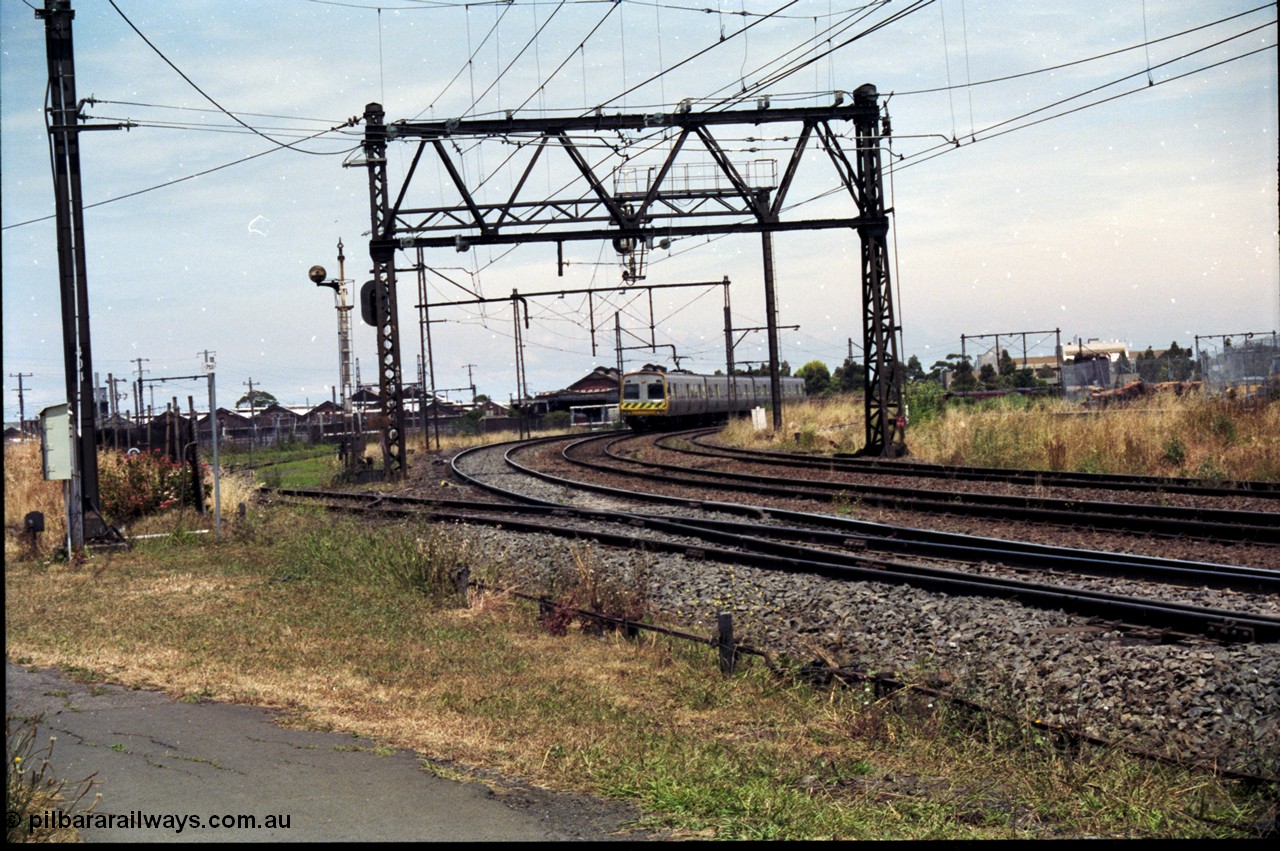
343,625
815,425
25,490
1163,435
1199,437
340,625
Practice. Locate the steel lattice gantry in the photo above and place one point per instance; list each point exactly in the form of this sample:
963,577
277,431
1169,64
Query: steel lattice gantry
654,205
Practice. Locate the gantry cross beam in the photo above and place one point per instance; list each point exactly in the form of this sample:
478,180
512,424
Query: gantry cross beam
656,207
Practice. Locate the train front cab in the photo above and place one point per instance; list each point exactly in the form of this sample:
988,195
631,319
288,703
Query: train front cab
644,400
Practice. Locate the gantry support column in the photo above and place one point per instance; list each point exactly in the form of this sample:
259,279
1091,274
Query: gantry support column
384,281
885,415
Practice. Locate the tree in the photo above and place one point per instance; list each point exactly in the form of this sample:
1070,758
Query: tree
914,371
472,422
256,399
817,378
963,370
1007,366
987,375
1123,366
1181,364
849,377
784,370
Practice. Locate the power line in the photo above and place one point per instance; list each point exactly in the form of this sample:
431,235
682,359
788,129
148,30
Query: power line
931,153
193,85
1095,57
177,180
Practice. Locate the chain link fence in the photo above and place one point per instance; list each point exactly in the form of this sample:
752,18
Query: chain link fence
1246,369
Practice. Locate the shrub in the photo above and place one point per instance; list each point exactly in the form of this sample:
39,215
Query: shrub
1175,451
133,486
556,420
925,401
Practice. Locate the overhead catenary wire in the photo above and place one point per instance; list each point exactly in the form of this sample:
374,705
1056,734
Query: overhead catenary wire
202,92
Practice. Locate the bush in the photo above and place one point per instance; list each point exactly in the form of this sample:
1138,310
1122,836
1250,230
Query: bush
925,401
133,486
556,420
1175,451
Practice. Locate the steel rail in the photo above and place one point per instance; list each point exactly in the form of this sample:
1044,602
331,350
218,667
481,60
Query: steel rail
1185,619
951,547
1214,524
895,538
1055,478
1219,623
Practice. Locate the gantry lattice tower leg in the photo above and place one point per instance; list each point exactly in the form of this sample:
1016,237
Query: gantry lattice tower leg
885,416
384,280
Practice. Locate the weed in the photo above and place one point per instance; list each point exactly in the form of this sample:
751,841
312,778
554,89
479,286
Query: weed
1175,451
844,505
1092,463
1223,427
1209,471
32,789
588,585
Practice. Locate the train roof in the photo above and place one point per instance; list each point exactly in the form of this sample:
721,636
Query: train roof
687,374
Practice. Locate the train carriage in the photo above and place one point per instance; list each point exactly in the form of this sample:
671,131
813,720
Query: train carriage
654,399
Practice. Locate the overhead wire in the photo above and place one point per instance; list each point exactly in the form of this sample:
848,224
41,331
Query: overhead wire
783,73
193,84
1093,58
498,79
937,150
185,178
801,64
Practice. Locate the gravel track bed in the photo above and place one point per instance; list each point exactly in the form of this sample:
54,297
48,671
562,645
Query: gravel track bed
647,452
1197,700
1187,549
1233,600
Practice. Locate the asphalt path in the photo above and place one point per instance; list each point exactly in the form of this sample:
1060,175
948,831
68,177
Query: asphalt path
181,765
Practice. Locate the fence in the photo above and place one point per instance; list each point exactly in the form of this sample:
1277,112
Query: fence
820,674
1250,369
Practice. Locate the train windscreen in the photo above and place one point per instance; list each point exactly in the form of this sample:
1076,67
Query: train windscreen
638,388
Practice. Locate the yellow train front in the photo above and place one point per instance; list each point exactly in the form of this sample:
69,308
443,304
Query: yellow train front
655,399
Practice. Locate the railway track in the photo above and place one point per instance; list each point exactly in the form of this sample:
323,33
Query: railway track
799,580
1137,518
699,444
773,548
850,550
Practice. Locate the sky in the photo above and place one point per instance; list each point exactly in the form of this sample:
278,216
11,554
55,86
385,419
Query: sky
1107,170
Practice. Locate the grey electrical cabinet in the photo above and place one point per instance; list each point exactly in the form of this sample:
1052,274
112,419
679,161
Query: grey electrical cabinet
55,442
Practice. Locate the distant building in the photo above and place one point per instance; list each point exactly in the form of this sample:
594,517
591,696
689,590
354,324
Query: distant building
598,387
